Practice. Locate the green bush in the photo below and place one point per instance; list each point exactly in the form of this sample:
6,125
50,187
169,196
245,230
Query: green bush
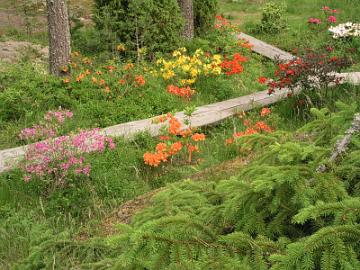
272,21
204,15
152,24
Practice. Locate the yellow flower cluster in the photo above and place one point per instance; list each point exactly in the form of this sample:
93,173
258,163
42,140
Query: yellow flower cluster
186,68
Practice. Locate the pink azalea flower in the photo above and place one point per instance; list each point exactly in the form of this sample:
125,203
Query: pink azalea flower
332,19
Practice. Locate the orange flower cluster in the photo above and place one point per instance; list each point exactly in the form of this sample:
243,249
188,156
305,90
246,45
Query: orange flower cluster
176,139
139,80
234,66
258,127
245,44
185,92
265,112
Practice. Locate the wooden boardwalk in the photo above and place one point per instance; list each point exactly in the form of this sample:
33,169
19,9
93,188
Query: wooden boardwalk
204,115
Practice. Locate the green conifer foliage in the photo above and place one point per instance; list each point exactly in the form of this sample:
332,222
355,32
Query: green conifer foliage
277,213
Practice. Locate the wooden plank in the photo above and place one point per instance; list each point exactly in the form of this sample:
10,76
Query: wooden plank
204,115
267,50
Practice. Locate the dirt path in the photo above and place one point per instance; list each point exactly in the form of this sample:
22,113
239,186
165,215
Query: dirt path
13,51
127,210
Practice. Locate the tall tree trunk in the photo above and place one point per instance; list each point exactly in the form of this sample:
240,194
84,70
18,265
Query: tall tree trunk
187,10
59,36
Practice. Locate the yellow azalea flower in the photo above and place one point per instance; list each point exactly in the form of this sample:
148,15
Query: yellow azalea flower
176,53
186,68
183,82
191,81
121,47
168,75
160,61
217,58
199,52
194,72
217,70
183,49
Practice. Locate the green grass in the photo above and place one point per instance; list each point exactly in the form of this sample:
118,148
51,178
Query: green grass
38,229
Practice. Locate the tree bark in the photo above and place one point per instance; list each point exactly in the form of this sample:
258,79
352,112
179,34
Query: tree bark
187,10
59,37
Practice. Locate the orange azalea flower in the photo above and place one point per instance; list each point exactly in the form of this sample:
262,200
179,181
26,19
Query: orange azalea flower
262,126
198,137
129,66
154,159
140,81
80,77
192,148
110,68
265,112
122,81
174,126
164,138
94,80
98,72
161,147
87,61
102,82
246,122
186,132
186,92
65,69
66,80
175,148
87,72
229,141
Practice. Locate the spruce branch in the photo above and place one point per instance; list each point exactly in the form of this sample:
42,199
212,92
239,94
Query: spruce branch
342,144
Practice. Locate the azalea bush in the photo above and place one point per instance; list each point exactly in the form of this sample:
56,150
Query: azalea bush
55,158
313,70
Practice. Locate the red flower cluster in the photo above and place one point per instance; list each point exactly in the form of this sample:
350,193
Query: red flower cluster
234,66
185,92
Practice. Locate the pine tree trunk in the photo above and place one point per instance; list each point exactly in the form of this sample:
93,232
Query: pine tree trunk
59,36
187,10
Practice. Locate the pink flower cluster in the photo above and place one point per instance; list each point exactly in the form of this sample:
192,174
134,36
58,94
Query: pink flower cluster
314,21
58,116
47,129
330,18
37,132
58,157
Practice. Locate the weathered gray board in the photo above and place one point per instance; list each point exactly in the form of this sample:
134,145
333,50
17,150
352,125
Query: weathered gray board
266,50
203,116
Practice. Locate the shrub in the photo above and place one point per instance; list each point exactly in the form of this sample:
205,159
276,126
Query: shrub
272,21
204,15
154,25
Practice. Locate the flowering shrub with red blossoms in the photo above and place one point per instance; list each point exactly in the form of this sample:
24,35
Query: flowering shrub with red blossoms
312,70
175,140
